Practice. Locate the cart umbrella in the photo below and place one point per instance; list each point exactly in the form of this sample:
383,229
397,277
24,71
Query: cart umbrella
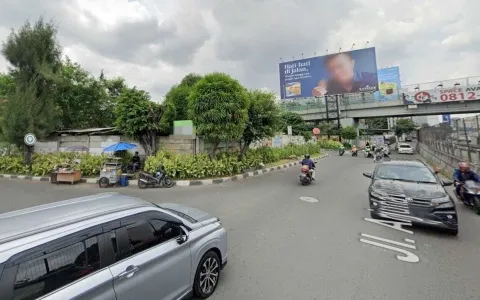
121,146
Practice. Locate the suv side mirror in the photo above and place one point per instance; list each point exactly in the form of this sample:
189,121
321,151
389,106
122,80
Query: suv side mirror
183,235
369,175
447,182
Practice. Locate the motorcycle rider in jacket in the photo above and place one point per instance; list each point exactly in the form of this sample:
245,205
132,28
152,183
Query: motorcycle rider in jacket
462,174
311,165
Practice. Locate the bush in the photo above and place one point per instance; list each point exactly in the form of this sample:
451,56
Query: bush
43,164
329,144
186,166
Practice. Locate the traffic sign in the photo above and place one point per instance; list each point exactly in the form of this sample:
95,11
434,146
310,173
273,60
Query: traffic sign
316,131
30,139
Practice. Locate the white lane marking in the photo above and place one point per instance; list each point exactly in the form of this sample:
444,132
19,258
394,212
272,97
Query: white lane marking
388,241
309,199
409,256
409,241
391,224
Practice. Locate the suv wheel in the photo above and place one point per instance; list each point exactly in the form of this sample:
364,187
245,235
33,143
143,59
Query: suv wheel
207,276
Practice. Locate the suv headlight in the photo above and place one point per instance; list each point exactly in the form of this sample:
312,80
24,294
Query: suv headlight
378,194
444,201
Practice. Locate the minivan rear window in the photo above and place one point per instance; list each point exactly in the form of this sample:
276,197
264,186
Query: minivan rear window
405,146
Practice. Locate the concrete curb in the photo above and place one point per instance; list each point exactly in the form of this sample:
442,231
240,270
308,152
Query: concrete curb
238,177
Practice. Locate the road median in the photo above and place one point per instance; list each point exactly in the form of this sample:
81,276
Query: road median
183,183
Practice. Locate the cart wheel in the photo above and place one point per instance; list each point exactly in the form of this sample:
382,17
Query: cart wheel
103,182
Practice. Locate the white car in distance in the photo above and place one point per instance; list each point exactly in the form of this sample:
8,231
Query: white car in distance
405,149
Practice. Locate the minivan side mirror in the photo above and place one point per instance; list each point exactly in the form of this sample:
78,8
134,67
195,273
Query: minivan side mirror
447,182
369,175
183,235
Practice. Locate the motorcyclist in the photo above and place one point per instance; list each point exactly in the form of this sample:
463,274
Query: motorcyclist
354,148
311,165
462,174
377,154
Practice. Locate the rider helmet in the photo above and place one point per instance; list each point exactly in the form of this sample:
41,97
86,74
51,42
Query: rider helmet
307,156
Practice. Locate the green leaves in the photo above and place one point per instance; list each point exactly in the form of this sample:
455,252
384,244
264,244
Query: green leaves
185,166
218,107
43,164
348,133
263,117
404,126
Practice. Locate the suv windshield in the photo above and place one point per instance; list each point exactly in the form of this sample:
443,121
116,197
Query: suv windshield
406,173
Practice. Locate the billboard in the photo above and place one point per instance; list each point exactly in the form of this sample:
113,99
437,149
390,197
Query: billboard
388,84
339,73
467,93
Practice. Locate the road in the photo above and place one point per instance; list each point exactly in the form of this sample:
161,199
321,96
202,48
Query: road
285,248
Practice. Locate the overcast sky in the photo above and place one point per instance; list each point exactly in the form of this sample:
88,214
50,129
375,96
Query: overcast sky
154,43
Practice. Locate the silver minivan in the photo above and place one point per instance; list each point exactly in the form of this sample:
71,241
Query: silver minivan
110,246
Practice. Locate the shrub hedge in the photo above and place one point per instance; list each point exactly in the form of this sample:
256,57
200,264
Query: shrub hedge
178,166
43,164
183,166
329,144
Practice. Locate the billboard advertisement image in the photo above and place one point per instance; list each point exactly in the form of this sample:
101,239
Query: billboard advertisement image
388,84
442,95
339,73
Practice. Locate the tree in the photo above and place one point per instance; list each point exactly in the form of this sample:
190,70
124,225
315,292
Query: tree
82,101
7,89
348,133
299,126
377,123
176,102
326,128
139,118
263,119
404,126
218,107
35,55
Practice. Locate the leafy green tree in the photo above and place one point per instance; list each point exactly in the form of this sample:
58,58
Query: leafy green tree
82,101
218,106
404,126
139,118
377,123
348,132
299,126
35,57
7,89
176,102
263,119
326,128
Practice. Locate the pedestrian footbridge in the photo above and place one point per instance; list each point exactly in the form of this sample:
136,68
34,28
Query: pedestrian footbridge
406,102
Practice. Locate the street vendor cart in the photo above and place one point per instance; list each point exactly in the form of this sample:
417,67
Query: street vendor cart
66,173
111,172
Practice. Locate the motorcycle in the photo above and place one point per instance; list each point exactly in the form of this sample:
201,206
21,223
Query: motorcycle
355,152
159,179
472,189
368,153
305,176
341,151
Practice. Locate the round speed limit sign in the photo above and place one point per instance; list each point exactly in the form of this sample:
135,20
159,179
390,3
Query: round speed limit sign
30,139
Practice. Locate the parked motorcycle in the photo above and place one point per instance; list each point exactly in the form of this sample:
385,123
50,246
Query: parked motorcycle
472,189
341,151
305,177
159,179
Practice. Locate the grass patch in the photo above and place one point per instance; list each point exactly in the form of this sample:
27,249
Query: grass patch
280,162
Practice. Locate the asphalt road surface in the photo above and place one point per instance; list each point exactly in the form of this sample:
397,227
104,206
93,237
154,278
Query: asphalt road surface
284,248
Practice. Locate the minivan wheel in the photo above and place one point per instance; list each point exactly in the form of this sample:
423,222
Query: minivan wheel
453,232
207,276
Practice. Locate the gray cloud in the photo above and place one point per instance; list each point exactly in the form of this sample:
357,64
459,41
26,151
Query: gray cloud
428,40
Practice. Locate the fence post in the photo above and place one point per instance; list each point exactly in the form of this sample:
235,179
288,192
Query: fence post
466,139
